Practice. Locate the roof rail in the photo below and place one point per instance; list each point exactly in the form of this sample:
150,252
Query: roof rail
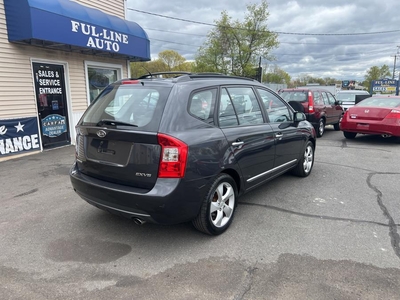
217,75
184,76
164,73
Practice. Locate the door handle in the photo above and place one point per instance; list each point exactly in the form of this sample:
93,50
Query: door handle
278,135
235,144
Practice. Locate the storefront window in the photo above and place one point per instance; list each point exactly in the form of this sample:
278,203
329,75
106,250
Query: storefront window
98,79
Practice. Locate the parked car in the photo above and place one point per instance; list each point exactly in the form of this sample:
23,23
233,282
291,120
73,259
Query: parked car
379,115
320,106
349,97
150,149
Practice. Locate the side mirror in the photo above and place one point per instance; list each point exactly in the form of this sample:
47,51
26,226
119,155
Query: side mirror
338,102
299,116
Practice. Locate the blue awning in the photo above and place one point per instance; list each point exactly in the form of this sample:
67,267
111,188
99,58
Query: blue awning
67,25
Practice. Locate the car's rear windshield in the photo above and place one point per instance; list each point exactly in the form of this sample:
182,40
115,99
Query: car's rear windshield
380,102
299,96
132,105
346,97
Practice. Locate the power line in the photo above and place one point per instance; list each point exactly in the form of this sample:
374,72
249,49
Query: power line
277,32
290,43
173,42
294,54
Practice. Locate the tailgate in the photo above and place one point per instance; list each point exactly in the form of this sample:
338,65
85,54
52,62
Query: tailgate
120,156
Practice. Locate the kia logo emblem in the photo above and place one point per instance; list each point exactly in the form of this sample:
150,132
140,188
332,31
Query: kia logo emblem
101,133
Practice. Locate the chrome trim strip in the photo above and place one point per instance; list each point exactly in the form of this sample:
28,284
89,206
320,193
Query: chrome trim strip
105,163
272,170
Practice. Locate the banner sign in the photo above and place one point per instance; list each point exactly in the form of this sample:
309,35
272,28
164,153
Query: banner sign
18,135
385,86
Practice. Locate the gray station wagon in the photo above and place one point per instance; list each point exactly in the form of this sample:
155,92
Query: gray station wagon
184,148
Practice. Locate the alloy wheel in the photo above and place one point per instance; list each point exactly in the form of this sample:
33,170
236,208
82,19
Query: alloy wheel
222,204
308,159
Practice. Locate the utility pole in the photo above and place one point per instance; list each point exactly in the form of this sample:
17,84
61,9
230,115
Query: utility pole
395,58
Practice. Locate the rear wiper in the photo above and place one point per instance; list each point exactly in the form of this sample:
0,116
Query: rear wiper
114,123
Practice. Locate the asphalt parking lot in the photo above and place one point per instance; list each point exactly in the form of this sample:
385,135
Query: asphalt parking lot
332,235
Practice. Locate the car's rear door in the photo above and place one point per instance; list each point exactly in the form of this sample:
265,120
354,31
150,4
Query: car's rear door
250,137
333,111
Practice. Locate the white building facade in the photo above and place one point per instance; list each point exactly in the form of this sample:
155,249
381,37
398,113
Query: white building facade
55,58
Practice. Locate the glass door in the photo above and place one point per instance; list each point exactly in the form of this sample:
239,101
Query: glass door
52,104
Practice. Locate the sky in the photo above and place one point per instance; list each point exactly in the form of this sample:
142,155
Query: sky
319,38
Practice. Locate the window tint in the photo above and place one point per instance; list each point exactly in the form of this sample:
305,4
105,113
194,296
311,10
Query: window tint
331,99
277,110
239,106
346,97
294,96
380,102
135,105
201,105
317,98
227,116
325,97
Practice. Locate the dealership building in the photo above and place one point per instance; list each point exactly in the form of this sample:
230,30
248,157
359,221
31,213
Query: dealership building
55,58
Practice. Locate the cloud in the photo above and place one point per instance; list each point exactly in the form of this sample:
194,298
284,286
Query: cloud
327,53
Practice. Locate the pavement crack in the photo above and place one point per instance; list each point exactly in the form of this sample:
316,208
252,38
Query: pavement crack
26,193
315,216
247,283
341,165
394,236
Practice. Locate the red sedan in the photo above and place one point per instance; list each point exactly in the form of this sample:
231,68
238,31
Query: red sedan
374,115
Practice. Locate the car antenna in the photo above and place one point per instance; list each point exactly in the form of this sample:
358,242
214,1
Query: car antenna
151,75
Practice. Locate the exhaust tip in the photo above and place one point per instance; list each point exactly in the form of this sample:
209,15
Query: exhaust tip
386,136
138,221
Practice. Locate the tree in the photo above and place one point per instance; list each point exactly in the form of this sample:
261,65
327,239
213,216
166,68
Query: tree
171,59
307,79
168,60
375,73
277,75
142,68
235,47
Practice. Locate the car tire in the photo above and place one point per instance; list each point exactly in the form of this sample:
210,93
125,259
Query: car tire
321,128
349,135
306,162
336,126
218,207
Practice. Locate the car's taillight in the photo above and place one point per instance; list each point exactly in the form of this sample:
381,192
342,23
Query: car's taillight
394,114
173,157
310,102
79,146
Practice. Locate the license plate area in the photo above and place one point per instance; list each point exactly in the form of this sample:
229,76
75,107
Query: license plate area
363,125
109,151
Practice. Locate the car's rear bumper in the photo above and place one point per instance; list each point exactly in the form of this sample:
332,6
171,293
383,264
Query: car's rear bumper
371,128
170,201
